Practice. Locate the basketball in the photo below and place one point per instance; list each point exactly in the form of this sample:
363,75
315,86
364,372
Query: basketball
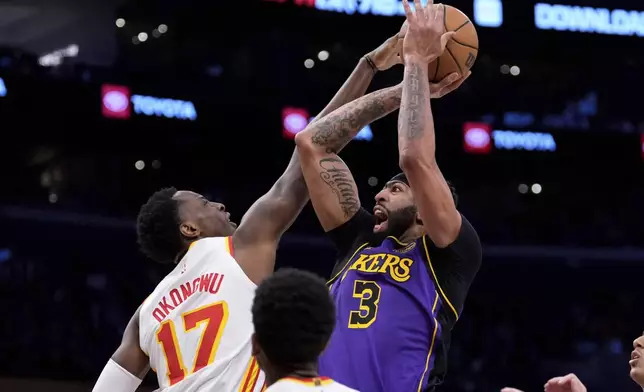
461,51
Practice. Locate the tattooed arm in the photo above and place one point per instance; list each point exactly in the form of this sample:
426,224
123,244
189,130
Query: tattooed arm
354,87
269,217
331,186
417,147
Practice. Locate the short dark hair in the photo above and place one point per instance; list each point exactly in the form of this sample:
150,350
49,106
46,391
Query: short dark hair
294,316
402,177
157,227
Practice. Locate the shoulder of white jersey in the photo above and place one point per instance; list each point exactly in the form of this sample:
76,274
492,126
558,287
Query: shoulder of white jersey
322,384
344,388
197,249
337,387
212,244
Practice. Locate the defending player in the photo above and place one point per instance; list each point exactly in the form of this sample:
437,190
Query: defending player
294,317
195,328
403,274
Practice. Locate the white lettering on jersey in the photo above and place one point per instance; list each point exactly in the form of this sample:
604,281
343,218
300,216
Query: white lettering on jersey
196,326
206,283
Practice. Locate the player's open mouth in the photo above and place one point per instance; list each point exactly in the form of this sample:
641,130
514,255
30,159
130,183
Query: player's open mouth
635,356
233,224
381,218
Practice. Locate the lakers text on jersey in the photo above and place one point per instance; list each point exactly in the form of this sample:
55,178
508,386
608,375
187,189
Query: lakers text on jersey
387,306
196,326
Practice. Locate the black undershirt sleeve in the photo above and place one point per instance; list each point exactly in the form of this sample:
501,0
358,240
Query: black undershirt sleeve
456,266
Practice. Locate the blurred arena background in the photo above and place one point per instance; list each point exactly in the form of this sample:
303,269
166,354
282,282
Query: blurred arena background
545,144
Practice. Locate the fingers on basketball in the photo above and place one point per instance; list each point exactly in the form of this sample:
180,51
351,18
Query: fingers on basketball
461,49
418,7
438,11
408,11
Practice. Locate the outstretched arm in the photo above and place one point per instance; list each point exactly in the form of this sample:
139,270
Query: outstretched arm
424,42
416,144
128,365
331,186
269,217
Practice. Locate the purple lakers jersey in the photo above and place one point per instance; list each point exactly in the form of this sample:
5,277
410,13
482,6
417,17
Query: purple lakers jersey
386,334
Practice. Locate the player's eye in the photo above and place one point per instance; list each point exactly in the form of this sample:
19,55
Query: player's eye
396,188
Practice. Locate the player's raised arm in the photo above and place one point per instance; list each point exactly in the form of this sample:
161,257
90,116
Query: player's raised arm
128,365
380,59
272,214
331,186
425,41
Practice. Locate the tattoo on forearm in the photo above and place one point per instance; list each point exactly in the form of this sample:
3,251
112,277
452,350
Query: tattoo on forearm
418,99
336,175
338,128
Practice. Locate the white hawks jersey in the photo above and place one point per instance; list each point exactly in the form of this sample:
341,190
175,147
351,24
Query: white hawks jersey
317,384
196,326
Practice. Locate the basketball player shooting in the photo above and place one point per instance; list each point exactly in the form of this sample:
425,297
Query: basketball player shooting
294,317
195,329
404,271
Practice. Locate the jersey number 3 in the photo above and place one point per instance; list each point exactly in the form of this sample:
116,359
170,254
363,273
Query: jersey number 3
214,316
369,293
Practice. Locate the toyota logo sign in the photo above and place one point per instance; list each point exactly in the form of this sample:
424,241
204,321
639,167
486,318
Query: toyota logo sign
477,138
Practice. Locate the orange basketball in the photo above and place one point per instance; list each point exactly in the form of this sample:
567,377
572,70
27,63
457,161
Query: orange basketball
461,51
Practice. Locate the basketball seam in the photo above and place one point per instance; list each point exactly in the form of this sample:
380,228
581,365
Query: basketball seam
455,61
466,45
444,17
438,64
461,26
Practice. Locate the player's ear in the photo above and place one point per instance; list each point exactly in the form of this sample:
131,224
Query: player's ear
189,230
254,346
419,220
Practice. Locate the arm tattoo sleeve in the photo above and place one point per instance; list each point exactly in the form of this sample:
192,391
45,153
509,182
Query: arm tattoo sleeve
337,129
417,91
336,175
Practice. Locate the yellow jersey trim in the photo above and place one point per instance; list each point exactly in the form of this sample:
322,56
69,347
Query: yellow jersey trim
313,382
431,267
348,262
431,350
431,347
229,246
251,375
399,241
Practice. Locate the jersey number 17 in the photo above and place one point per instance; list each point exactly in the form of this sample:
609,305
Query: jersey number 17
214,316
